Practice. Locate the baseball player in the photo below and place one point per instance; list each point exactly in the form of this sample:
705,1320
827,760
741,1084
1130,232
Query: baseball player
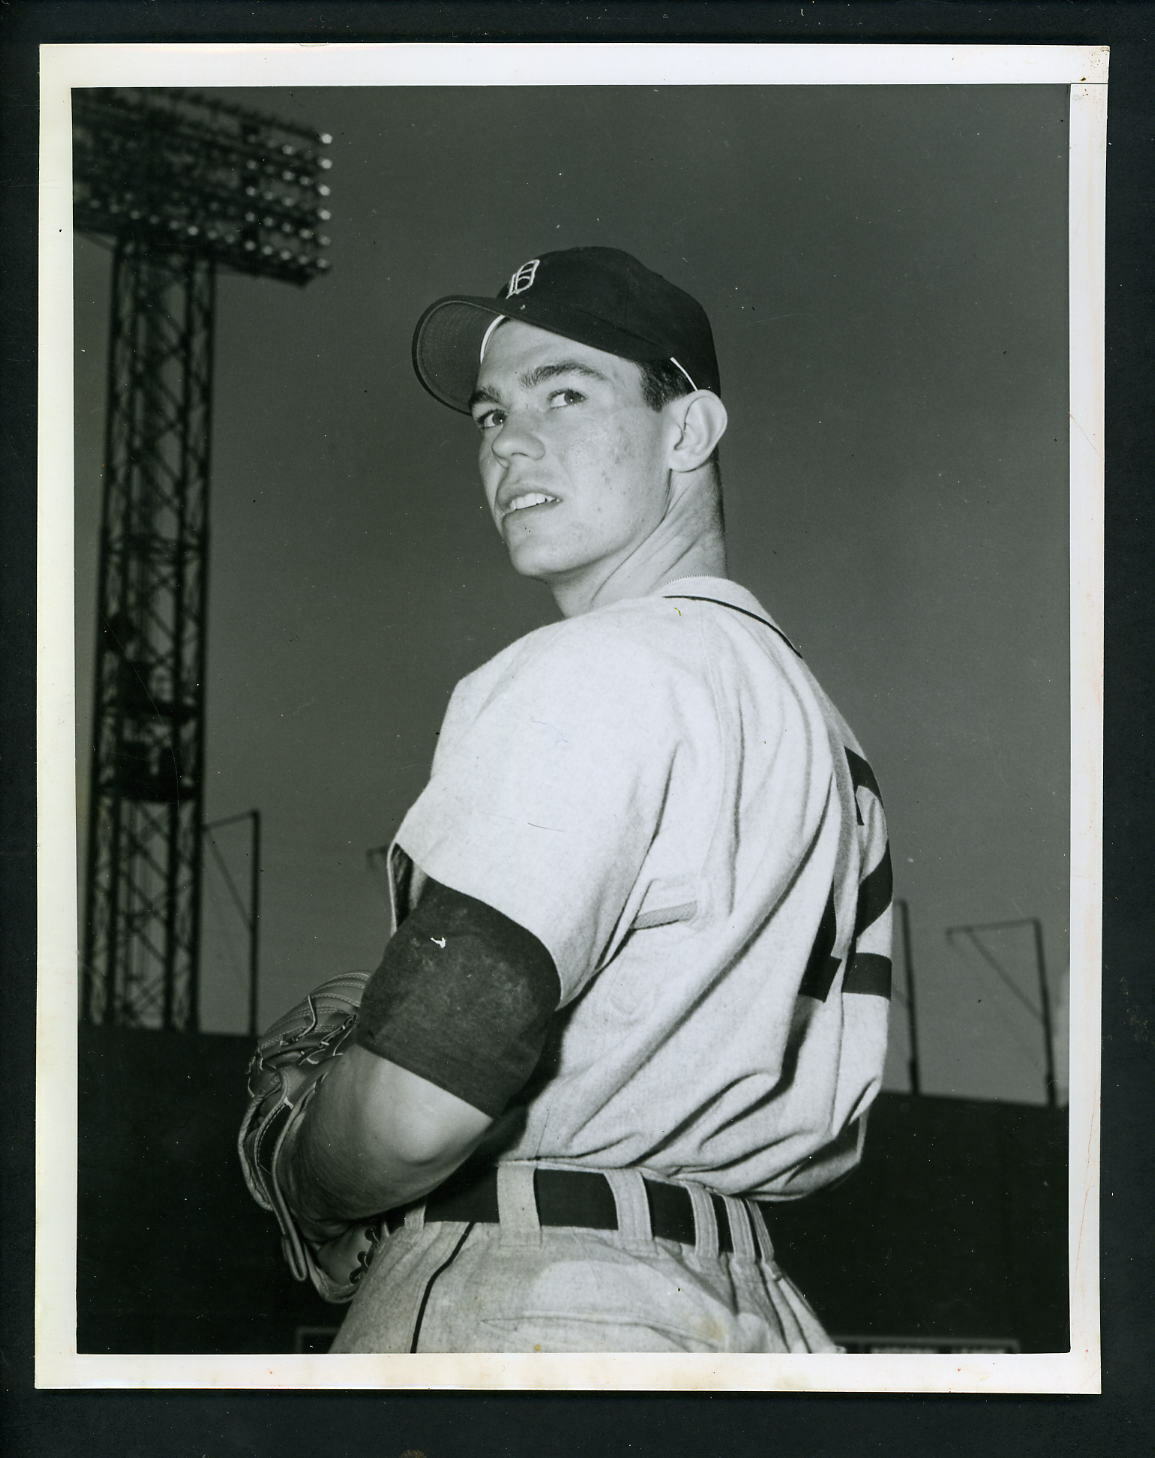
637,989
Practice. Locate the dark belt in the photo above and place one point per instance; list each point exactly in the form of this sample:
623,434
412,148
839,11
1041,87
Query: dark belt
574,1197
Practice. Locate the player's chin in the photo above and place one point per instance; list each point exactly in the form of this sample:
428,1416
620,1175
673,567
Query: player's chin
529,556
529,564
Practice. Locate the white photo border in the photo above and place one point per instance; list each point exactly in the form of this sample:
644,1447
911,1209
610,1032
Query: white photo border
64,67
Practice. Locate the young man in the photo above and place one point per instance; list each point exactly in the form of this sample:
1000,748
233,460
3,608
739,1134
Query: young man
638,986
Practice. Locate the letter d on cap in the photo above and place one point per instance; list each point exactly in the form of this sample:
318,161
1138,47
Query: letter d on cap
523,278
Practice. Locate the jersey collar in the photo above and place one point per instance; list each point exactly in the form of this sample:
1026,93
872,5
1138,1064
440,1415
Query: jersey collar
728,594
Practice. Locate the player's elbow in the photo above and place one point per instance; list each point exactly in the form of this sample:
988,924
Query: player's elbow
433,1130
411,1126
379,1136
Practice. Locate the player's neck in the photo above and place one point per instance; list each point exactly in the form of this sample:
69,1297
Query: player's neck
647,570
687,542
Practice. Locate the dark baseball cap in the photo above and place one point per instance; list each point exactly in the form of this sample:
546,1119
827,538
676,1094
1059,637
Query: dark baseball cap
597,296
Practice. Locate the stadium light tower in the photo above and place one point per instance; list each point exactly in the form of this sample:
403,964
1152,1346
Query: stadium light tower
184,186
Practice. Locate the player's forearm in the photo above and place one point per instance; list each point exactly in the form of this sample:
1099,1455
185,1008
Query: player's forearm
375,1136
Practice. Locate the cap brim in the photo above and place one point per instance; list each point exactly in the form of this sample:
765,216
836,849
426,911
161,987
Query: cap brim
447,346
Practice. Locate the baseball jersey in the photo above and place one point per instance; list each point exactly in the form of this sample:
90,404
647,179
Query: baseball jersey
662,794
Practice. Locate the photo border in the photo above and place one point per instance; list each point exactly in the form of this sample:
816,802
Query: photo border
1084,69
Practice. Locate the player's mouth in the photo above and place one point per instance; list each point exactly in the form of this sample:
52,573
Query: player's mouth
526,501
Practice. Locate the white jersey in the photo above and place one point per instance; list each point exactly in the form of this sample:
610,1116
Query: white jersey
663,795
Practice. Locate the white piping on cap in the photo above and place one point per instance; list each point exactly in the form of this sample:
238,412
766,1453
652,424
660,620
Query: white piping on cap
500,319
685,371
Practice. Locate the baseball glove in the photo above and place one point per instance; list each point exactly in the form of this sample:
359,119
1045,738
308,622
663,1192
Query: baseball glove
289,1065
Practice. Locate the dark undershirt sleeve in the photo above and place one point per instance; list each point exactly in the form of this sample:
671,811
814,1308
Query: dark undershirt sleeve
462,998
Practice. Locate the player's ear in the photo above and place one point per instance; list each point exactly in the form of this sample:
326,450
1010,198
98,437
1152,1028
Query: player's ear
701,420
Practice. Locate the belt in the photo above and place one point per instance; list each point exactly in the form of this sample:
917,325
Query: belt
574,1197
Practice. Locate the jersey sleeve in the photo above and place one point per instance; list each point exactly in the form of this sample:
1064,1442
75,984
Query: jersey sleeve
547,791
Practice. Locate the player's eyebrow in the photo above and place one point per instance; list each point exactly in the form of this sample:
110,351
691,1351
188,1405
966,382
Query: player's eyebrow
483,397
538,375
561,367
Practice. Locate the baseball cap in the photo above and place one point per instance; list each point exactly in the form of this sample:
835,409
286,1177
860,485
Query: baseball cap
602,297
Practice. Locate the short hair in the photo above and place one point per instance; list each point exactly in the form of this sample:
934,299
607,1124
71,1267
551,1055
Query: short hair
663,381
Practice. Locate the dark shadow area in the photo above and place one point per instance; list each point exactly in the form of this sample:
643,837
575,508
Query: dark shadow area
952,1235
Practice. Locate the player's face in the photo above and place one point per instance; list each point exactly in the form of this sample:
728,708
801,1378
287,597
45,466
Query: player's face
573,461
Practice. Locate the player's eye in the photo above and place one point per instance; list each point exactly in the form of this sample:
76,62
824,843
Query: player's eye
560,398
489,419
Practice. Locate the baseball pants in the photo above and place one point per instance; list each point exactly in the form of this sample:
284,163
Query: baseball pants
515,1285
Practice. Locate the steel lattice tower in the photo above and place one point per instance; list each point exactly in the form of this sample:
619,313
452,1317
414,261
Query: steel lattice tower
184,187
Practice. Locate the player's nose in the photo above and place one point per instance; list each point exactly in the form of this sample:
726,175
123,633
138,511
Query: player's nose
516,435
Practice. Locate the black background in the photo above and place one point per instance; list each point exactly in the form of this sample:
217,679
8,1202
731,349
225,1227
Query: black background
494,1425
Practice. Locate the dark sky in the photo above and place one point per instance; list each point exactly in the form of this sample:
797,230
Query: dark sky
885,268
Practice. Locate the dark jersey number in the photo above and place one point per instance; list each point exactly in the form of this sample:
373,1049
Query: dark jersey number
865,971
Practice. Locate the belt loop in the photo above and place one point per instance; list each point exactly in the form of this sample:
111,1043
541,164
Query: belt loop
762,1235
741,1234
516,1203
706,1243
629,1191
